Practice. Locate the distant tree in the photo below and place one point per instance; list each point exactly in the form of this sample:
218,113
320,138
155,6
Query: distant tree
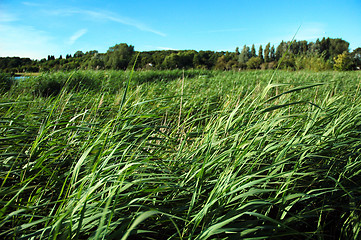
253,51
343,62
254,63
237,51
260,53
280,50
337,46
145,59
186,59
325,47
356,58
317,47
203,60
267,52
272,53
96,62
221,63
92,52
303,47
60,57
171,61
245,55
78,54
119,56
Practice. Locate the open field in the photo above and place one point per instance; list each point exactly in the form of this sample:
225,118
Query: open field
181,155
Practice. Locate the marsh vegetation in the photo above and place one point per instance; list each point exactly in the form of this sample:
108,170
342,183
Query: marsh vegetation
181,155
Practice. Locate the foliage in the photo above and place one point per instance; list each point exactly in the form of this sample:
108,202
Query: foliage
356,57
343,62
260,53
5,82
245,55
119,56
235,156
217,155
254,63
312,62
122,57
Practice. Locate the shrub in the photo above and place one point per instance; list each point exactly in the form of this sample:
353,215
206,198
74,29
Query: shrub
254,63
5,82
343,62
48,87
312,62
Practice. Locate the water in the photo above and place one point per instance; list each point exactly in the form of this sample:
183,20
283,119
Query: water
19,77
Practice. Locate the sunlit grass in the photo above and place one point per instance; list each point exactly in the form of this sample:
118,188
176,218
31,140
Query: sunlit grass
247,158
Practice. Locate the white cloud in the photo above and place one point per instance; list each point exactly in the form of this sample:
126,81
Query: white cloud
77,35
7,17
25,41
107,16
31,4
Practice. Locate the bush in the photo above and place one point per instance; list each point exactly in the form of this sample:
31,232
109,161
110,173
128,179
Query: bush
82,80
254,63
343,62
5,82
312,62
48,87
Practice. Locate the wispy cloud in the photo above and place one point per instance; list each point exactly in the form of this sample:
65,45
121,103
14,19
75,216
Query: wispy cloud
7,17
107,16
226,30
32,4
25,41
77,35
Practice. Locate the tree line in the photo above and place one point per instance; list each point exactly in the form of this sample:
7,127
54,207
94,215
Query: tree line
324,54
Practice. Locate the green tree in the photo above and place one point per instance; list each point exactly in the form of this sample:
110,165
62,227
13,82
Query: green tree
343,62
202,60
272,53
171,61
186,59
356,58
119,56
254,63
325,47
280,50
303,47
96,62
267,52
260,53
78,54
337,46
237,51
221,63
245,55
253,51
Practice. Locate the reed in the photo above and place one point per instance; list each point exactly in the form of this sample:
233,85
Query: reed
240,158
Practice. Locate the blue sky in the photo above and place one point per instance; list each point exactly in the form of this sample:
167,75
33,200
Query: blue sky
40,28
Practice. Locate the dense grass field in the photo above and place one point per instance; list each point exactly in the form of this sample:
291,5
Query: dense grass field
181,155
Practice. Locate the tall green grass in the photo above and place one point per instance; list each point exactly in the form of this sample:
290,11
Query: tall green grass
247,159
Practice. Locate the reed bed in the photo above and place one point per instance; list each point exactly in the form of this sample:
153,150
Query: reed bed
200,155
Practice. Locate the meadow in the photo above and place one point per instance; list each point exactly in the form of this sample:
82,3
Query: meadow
181,155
